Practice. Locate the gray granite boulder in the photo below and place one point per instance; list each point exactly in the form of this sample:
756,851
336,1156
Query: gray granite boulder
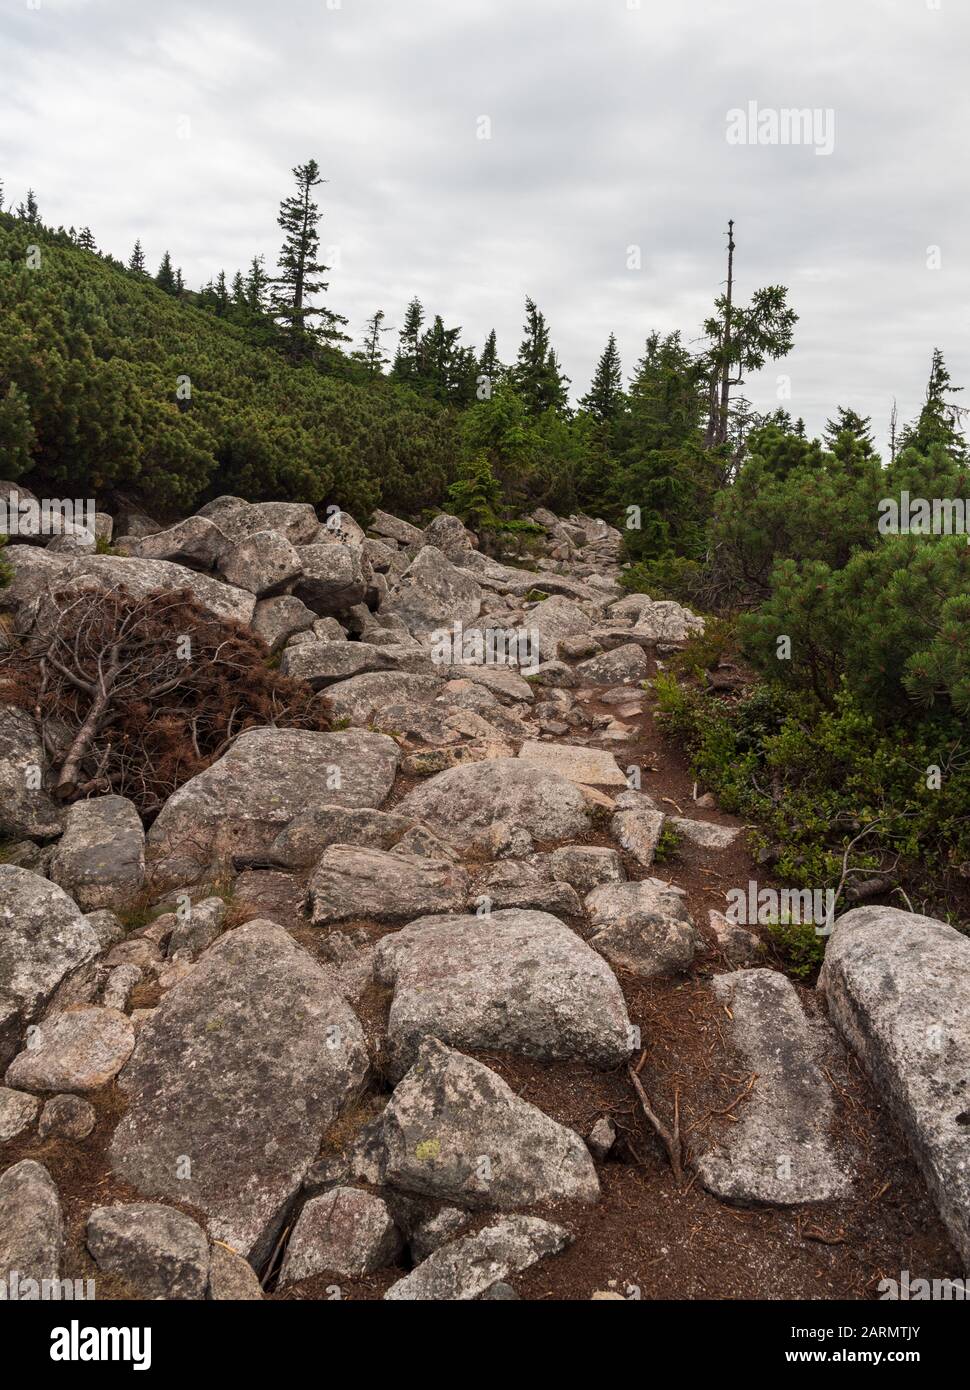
157,1251
43,938
897,987
432,594
332,577
512,981
463,804
466,1268
312,831
196,541
31,1228
781,1152
278,619
100,858
76,1050
238,806
25,807
234,1082
325,663
346,1231
454,1130
352,881
643,927
263,564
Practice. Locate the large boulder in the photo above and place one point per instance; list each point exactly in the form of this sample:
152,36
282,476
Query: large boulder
43,938
263,564
238,806
586,766
621,666
297,522
780,1152
196,541
77,1050
332,578
100,859
463,804
553,620
312,831
449,535
326,663
467,1268
509,981
235,1079
643,927
25,807
383,524
667,623
142,577
31,1229
361,698
897,987
351,882
454,1130
278,619
433,594
157,1251
33,572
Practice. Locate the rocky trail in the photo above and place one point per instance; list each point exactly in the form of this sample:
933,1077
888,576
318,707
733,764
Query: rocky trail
379,1012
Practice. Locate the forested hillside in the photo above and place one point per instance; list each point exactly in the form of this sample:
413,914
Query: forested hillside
848,750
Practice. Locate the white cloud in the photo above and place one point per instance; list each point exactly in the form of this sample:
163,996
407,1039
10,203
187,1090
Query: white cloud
608,128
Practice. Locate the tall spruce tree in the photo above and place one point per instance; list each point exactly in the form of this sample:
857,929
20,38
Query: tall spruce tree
536,373
940,420
29,212
165,279
300,270
604,398
86,240
137,260
257,285
490,368
406,360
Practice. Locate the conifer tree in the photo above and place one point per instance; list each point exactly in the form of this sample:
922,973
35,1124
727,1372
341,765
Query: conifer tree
489,365
848,421
371,353
536,373
86,240
137,260
165,279
300,271
28,212
940,419
257,284
406,363
605,395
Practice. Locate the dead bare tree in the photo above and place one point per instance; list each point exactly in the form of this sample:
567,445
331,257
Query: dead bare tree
136,695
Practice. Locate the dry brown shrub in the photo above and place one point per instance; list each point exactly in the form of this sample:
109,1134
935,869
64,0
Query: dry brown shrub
136,695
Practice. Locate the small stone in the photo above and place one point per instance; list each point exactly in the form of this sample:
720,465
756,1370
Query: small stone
464,1269
158,1251
602,1137
231,1278
67,1117
347,1231
17,1112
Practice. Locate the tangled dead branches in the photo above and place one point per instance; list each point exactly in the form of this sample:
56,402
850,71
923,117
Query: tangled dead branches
136,695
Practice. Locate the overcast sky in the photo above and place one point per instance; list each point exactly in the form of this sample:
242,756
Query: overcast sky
178,123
